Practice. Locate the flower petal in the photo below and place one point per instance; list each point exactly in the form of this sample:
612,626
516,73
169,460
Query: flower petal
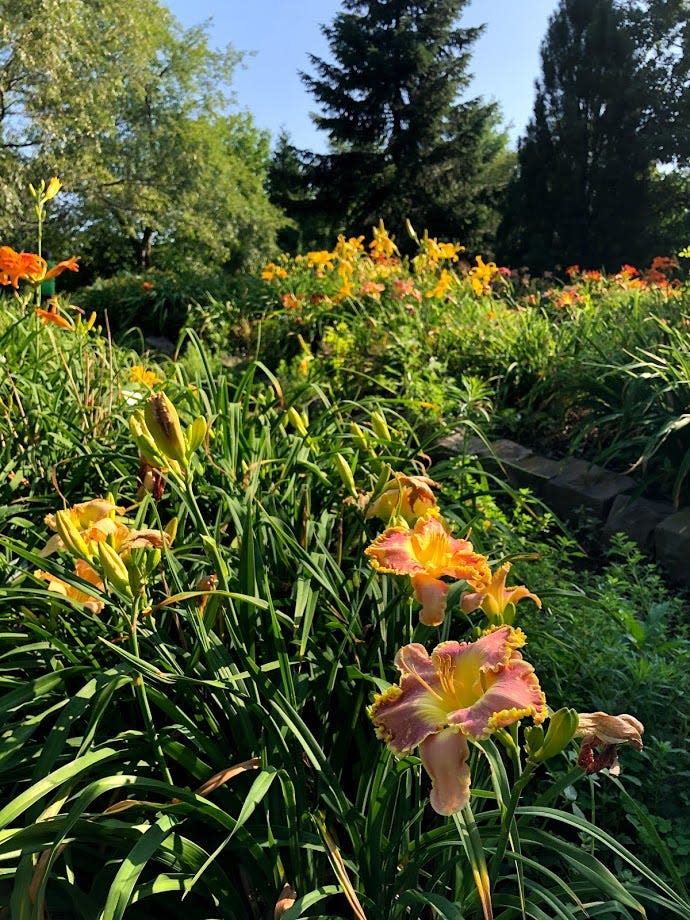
444,757
611,729
404,716
432,594
392,552
491,679
409,496
514,693
493,597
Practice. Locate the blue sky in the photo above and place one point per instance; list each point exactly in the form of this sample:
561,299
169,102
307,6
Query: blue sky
282,33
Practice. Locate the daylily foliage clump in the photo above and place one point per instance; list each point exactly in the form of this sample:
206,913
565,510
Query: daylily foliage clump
239,674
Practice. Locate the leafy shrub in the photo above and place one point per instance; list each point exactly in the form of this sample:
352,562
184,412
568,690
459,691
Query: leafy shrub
157,303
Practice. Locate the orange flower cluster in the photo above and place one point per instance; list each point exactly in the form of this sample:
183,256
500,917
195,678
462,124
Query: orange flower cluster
27,266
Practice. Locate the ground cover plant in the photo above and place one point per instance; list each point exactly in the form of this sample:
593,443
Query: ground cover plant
260,658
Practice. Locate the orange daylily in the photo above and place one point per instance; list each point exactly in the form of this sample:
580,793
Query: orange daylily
28,266
84,571
53,315
495,600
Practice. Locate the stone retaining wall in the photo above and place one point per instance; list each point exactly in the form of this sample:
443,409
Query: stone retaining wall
564,486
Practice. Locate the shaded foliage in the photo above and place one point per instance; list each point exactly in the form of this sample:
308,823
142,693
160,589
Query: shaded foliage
581,193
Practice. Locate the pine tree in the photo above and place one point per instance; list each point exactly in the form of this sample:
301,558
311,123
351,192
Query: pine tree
581,192
402,144
661,31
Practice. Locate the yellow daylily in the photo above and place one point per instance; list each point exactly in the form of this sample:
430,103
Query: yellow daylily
495,600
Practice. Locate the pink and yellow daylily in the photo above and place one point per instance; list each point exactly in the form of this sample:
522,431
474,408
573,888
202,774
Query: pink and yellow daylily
409,497
463,691
495,600
427,553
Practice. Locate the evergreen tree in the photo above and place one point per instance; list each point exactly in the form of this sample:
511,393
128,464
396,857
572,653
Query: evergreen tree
402,144
661,30
581,191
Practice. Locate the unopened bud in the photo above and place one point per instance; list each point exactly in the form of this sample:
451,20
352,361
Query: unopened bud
171,530
380,426
114,568
142,438
297,422
561,730
195,434
163,423
54,187
70,536
359,436
345,473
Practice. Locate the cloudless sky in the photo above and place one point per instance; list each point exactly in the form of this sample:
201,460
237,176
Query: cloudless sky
282,34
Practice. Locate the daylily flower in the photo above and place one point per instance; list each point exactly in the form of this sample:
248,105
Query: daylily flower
321,260
372,289
427,553
410,497
95,522
27,266
441,287
54,316
139,374
96,513
382,247
495,600
463,691
271,271
601,731
481,275
84,571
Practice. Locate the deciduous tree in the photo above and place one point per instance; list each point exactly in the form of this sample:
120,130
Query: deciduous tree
134,113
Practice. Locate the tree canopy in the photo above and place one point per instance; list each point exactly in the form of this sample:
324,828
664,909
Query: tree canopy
135,114
581,193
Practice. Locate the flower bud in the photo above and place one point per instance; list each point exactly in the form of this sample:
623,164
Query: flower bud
70,536
142,438
534,740
359,436
195,434
561,730
114,568
170,530
345,473
380,426
297,422
54,187
163,423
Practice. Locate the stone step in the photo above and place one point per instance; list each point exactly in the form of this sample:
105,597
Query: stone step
571,484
